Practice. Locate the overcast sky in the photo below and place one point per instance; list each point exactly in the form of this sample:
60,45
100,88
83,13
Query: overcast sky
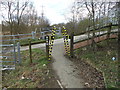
54,10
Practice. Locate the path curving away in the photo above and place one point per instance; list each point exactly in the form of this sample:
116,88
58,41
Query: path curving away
66,69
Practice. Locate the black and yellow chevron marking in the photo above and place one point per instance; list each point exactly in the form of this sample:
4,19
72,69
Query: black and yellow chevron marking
51,41
66,43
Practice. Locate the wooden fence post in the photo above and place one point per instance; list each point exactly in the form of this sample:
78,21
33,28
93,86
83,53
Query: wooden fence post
30,51
109,31
47,46
71,44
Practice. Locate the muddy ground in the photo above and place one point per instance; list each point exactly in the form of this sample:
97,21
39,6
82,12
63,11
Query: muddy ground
92,77
51,81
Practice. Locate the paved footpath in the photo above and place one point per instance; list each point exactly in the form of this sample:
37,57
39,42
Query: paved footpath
65,69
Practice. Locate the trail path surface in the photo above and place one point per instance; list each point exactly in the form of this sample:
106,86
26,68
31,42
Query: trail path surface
65,69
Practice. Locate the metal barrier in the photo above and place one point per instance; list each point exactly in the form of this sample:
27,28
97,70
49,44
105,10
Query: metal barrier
14,39
104,24
10,56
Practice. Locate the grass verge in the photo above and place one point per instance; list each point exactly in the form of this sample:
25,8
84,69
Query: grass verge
28,75
33,41
103,60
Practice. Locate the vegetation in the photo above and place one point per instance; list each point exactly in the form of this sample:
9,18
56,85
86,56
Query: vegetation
103,59
27,75
21,17
33,41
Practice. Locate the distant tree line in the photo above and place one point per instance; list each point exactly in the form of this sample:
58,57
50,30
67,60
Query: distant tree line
85,14
20,16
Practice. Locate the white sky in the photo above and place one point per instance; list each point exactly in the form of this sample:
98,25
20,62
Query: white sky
54,10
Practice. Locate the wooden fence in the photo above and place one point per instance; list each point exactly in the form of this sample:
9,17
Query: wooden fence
99,36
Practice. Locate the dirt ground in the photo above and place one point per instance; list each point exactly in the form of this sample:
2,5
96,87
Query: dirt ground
92,77
47,81
51,80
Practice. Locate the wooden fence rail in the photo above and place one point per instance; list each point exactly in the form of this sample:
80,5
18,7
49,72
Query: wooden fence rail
97,39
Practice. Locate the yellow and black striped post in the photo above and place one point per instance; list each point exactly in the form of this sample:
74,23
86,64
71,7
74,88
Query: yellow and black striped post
66,43
64,36
51,41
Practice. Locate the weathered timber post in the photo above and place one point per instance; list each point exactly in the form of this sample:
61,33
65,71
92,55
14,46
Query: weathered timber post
71,44
47,46
108,33
109,30
30,51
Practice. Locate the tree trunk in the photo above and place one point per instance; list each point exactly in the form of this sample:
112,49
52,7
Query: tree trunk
93,20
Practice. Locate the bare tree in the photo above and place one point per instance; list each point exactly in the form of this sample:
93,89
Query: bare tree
91,7
96,11
15,10
20,10
75,17
7,5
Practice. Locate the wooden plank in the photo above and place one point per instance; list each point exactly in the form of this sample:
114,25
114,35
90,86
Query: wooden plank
97,39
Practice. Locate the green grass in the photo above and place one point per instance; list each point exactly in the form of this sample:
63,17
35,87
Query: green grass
58,36
34,72
26,42
114,27
102,59
105,29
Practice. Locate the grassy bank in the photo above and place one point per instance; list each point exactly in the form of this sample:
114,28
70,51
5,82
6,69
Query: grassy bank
103,60
26,75
33,41
25,42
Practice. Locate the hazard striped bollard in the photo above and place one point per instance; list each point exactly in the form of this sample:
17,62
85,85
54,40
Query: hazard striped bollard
51,41
66,43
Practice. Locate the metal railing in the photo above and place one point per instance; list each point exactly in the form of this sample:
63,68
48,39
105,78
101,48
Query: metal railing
10,56
103,24
18,35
